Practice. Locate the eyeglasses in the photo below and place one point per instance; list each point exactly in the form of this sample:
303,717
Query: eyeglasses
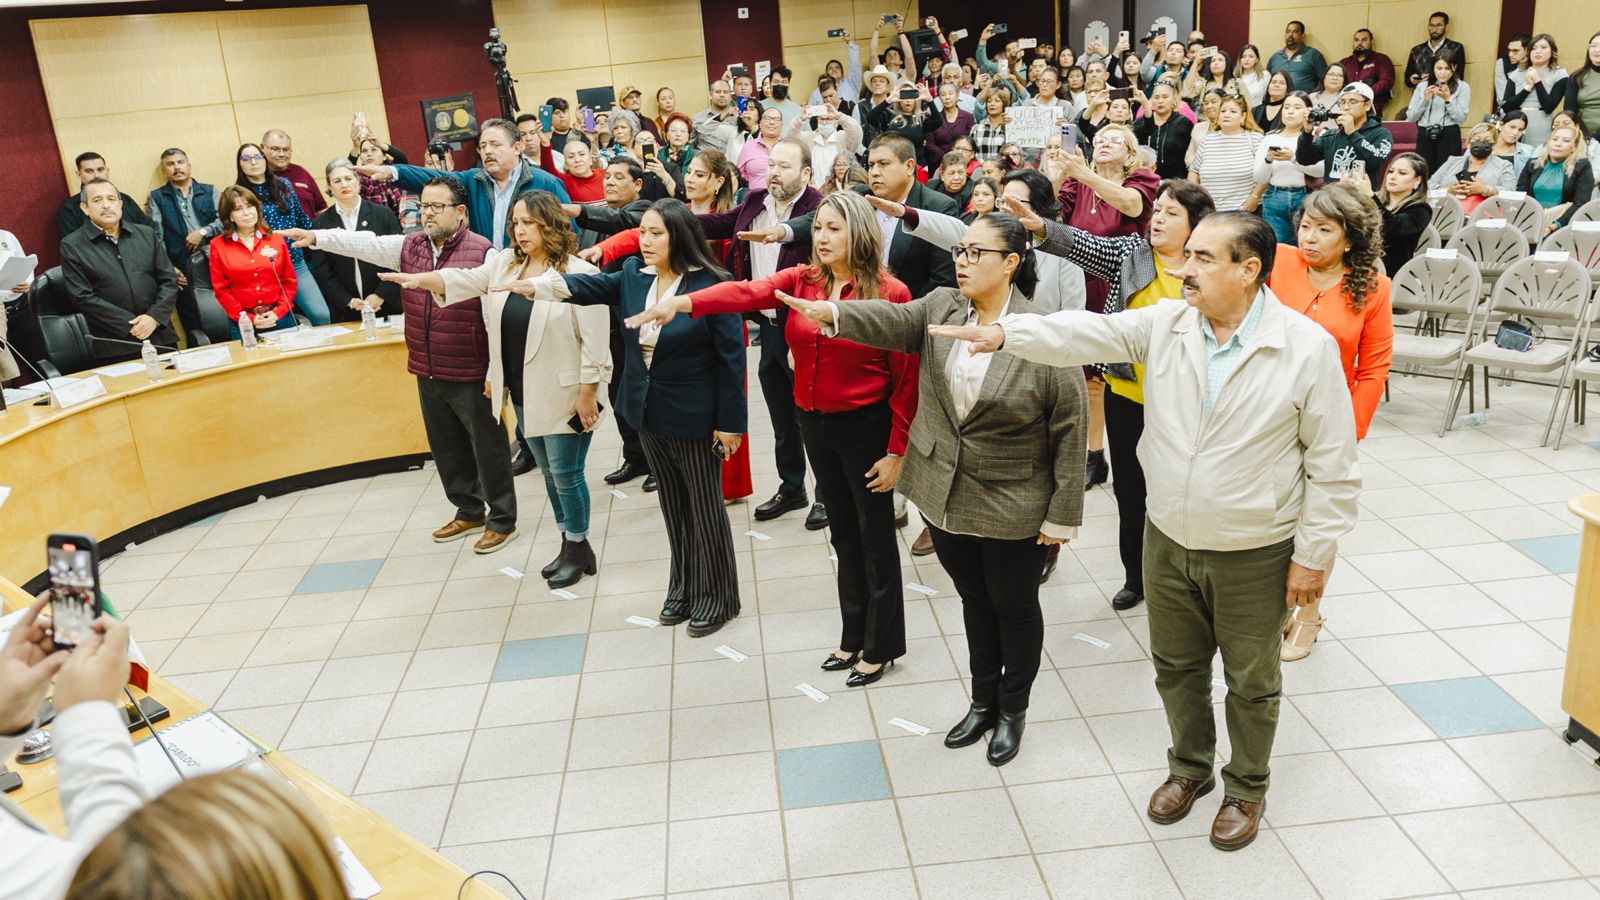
972,254
435,207
252,157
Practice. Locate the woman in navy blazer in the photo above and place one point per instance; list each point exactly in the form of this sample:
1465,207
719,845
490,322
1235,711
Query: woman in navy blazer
683,389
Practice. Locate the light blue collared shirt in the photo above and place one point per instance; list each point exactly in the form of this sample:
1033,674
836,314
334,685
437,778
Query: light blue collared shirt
502,203
1221,360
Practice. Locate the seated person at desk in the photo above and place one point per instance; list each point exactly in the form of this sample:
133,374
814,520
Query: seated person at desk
98,782
92,166
250,268
348,283
118,275
184,212
9,247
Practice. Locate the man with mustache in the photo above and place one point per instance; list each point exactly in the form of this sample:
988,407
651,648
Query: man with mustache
1250,449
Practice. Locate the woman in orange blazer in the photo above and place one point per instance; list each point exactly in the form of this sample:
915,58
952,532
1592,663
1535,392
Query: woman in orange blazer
1332,277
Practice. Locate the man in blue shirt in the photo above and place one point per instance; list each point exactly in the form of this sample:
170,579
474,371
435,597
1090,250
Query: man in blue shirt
1302,65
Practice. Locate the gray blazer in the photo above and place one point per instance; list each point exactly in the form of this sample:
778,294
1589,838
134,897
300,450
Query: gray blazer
1016,461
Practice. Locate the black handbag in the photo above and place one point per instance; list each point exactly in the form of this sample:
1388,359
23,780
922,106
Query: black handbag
1516,334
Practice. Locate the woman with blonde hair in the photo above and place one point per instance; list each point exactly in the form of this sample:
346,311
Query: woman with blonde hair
1332,277
1560,177
855,405
229,836
550,359
1225,164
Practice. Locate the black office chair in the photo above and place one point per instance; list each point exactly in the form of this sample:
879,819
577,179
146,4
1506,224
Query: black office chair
215,328
63,333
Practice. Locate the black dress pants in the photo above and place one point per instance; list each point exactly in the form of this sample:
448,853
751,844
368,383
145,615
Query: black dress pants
777,389
998,581
1436,149
632,449
705,577
1124,426
470,450
843,446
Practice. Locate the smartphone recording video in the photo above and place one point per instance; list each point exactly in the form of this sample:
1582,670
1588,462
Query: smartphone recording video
74,572
836,32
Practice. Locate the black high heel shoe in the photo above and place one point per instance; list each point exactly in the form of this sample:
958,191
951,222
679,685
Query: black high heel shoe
859,678
834,664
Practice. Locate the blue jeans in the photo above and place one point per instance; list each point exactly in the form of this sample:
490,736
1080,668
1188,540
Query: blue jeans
308,296
1278,208
284,324
561,459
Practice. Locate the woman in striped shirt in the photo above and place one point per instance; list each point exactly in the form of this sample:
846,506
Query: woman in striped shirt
1225,164
989,135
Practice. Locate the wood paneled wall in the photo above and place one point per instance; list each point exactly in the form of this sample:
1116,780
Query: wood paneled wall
207,82
555,47
1397,26
1571,23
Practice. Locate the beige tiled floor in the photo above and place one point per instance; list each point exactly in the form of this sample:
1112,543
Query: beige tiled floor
658,767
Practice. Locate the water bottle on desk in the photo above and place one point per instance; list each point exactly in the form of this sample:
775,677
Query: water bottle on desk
369,322
152,364
247,330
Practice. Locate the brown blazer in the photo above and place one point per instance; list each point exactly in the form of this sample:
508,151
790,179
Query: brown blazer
1017,459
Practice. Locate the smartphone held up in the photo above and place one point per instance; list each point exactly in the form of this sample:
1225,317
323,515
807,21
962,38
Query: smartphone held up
73,566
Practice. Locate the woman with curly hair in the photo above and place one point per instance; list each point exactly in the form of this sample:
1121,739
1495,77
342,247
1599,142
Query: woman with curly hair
1332,277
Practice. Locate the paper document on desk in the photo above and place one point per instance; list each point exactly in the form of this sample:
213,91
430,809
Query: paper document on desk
17,269
120,369
23,395
202,744
299,340
358,882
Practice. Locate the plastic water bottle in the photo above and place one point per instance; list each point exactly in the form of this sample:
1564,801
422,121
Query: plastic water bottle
152,365
369,322
247,332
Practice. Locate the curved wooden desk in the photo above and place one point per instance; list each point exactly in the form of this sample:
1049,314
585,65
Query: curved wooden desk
1580,693
148,457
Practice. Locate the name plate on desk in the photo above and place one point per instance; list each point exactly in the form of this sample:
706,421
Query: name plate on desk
197,360
1513,196
302,340
79,391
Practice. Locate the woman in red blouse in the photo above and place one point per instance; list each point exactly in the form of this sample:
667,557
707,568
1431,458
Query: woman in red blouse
251,272
855,405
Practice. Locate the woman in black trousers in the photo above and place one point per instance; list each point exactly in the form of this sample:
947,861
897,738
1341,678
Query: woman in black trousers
995,462
683,389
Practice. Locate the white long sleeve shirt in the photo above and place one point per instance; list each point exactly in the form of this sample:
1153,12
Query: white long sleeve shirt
99,788
1274,458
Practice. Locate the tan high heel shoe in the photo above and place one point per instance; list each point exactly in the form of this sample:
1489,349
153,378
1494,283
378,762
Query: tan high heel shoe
1299,638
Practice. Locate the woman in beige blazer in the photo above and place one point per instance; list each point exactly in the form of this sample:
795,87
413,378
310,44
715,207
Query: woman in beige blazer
994,463
551,358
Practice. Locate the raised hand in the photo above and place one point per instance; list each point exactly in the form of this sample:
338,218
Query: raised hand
773,235
410,281
299,237
658,315
376,173
27,663
887,207
1024,213
984,338
818,311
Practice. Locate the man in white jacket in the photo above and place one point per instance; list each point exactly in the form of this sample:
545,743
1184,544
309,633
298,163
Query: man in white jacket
98,782
1249,453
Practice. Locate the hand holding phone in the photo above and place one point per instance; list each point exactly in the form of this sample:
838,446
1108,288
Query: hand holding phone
836,32
1000,28
546,117
73,566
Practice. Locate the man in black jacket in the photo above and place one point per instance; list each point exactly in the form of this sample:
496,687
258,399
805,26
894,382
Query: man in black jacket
1419,63
69,216
184,212
118,276
1356,136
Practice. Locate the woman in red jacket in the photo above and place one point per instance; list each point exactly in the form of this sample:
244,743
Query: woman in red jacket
251,272
855,405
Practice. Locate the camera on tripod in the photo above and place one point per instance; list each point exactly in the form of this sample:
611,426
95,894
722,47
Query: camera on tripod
495,50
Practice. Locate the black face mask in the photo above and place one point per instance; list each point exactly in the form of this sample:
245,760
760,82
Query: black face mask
1481,149
780,92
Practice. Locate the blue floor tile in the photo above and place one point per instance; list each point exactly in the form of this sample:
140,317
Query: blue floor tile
838,773
341,576
540,658
1463,707
1559,554
207,521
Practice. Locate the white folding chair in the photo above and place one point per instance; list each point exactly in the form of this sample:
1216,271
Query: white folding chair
1522,212
1554,295
1442,286
1582,241
1447,216
1430,240
1589,212
1492,245
1584,370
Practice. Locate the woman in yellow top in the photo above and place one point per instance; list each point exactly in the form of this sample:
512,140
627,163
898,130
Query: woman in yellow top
1139,270
1332,277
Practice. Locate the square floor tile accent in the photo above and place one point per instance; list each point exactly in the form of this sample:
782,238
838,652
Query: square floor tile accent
1462,707
540,658
836,773
340,576
1559,554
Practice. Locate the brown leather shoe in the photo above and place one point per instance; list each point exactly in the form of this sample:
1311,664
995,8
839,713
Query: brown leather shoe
493,540
1236,823
923,545
1173,799
456,529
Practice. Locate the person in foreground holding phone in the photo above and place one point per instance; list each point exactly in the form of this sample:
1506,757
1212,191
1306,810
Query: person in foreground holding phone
535,350
682,386
1250,449
99,783
995,465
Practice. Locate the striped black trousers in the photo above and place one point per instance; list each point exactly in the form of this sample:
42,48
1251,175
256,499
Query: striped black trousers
705,577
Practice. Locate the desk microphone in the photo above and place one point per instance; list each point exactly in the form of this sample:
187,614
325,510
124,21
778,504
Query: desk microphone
17,354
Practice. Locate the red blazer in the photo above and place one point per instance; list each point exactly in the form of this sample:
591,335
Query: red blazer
830,374
244,279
